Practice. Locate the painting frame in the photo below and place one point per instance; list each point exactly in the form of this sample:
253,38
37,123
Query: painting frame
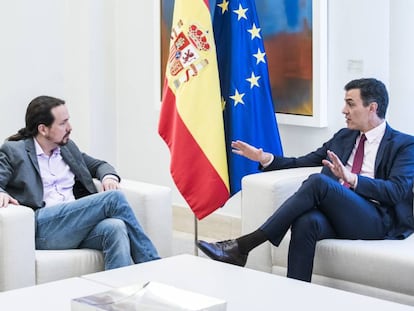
319,72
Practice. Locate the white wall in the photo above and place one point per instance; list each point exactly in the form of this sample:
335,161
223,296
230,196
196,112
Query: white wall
31,57
90,74
401,110
102,57
141,152
62,48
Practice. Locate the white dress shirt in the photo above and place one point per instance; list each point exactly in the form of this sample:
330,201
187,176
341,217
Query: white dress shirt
371,146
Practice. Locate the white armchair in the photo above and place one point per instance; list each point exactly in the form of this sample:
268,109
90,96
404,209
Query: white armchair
378,268
21,265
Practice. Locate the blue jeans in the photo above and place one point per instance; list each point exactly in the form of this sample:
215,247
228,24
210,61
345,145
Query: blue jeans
102,221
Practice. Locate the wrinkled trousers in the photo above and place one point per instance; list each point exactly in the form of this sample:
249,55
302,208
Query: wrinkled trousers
102,221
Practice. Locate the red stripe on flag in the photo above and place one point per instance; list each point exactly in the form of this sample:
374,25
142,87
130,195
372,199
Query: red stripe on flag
195,177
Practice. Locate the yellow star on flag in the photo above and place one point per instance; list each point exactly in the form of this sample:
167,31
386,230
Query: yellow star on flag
224,6
238,98
241,13
223,103
253,80
259,56
255,32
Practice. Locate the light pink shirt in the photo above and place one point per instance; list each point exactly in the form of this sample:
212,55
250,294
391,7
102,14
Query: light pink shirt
57,178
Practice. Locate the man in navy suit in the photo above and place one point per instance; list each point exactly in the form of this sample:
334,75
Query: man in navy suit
373,202
41,167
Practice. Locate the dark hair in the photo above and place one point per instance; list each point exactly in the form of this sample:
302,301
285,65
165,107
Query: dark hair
372,90
38,112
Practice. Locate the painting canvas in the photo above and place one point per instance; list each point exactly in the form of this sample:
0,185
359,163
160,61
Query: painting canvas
166,15
294,33
287,30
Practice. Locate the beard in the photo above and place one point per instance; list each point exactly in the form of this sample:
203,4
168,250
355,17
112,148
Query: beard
64,140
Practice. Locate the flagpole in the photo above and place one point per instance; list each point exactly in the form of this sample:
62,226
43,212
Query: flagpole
195,235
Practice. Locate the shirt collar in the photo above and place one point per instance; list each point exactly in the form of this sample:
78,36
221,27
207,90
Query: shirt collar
39,150
376,132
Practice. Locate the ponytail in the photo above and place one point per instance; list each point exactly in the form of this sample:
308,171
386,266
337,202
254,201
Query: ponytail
38,112
21,134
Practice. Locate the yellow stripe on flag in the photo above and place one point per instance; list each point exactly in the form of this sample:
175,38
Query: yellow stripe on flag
192,106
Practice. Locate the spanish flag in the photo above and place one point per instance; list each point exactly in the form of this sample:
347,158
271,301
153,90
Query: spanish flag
191,119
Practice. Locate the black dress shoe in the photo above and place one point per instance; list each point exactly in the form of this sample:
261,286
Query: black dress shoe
225,251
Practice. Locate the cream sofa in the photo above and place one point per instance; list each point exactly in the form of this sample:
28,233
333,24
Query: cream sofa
383,269
21,265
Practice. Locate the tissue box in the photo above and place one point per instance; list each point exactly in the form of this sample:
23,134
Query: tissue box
152,296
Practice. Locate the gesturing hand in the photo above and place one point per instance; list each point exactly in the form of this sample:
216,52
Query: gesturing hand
338,169
255,154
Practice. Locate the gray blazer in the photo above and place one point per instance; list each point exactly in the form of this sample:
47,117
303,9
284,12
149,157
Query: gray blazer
20,173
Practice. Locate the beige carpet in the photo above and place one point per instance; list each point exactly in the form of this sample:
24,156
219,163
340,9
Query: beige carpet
212,228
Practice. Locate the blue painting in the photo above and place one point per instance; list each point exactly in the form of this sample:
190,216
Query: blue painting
287,30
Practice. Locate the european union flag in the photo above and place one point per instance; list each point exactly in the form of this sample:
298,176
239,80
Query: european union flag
245,87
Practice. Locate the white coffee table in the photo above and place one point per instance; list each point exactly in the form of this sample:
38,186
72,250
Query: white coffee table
242,288
53,296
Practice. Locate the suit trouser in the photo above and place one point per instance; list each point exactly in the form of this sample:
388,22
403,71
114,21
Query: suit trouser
321,208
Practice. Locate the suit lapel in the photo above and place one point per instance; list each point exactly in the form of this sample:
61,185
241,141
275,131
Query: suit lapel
348,145
70,160
31,152
81,171
382,147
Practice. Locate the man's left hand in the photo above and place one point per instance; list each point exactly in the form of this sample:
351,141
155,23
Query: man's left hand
110,184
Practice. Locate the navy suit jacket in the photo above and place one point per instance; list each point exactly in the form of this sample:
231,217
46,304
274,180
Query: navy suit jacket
20,173
392,185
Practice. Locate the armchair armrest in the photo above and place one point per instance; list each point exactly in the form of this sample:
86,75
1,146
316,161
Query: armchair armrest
17,247
262,194
153,208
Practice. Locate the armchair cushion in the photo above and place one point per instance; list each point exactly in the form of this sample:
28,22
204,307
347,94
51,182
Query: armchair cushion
63,264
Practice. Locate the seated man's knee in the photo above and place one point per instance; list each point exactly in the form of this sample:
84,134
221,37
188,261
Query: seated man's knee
115,195
305,222
318,178
113,226
114,198
318,182
312,224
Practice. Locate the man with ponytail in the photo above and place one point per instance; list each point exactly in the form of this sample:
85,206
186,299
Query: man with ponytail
42,168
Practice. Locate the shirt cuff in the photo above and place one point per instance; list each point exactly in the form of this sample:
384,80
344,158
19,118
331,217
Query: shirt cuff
356,182
272,157
110,176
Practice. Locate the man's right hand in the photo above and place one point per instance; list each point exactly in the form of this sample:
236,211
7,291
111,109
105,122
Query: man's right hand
255,154
5,200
